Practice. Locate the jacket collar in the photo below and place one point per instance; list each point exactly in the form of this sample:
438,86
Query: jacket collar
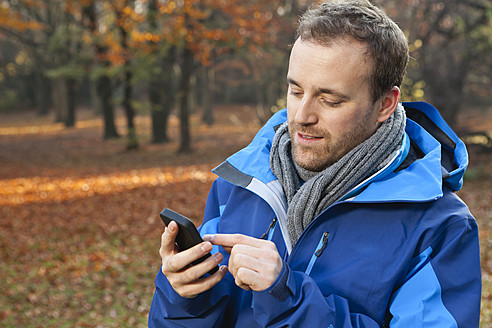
422,180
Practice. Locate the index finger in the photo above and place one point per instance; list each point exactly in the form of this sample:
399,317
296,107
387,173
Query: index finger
230,240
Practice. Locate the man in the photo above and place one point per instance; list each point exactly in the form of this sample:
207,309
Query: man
341,211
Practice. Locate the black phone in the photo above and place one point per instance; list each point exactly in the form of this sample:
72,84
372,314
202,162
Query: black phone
187,236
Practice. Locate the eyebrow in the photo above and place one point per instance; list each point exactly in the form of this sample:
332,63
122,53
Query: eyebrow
337,94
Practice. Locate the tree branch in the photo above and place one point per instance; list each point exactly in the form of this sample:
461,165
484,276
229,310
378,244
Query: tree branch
19,37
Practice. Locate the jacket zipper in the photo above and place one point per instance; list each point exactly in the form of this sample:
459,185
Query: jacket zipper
269,231
321,246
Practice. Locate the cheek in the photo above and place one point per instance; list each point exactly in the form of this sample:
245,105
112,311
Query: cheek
337,124
292,105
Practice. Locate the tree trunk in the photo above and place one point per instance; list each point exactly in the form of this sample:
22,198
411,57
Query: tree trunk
159,126
192,94
59,95
105,92
184,90
70,103
103,84
161,94
41,93
95,100
132,140
160,106
207,95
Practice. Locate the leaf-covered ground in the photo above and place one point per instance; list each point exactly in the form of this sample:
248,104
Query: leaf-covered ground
79,225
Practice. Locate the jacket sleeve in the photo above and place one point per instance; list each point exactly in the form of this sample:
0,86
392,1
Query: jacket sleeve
169,309
295,300
442,289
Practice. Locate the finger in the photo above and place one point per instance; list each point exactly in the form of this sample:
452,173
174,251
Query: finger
230,240
266,263
227,249
239,260
247,279
195,272
181,260
199,286
242,286
168,239
264,251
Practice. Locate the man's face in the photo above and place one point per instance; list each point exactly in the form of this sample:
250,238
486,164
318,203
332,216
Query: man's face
329,104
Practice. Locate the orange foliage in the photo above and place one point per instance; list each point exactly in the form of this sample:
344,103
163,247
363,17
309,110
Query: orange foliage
207,27
13,20
195,22
19,191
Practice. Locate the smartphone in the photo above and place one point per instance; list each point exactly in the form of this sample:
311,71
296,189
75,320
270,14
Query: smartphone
187,236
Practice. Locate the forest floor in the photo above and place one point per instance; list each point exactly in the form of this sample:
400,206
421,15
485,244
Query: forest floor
79,215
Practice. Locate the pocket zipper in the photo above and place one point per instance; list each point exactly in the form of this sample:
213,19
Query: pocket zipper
268,232
321,246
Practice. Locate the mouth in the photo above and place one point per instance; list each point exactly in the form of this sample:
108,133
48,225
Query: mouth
307,138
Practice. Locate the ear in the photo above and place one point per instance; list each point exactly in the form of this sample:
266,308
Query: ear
388,103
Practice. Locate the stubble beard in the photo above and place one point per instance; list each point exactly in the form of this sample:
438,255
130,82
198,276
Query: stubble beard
316,158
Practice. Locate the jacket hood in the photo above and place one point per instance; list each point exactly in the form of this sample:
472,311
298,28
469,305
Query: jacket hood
436,157
454,156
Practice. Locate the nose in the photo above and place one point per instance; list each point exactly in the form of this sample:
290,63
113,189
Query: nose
306,111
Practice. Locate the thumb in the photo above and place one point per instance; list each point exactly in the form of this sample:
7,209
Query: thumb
168,238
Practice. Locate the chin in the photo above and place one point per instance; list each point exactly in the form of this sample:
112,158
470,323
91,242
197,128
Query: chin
313,165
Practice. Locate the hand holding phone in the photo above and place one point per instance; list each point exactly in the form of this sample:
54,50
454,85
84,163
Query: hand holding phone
188,235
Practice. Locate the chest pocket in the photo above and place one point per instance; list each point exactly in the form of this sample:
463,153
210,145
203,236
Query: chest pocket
317,253
271,229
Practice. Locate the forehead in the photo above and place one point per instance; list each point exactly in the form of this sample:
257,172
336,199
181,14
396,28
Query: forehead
342,62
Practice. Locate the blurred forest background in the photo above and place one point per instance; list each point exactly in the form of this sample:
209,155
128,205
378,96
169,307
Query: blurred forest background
153,57
112,110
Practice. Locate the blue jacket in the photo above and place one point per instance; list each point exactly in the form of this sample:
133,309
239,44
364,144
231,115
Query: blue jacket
400,250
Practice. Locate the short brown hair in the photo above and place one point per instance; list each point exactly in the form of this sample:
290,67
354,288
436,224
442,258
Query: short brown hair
386,44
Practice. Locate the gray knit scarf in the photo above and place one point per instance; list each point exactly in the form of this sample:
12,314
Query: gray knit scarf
321,189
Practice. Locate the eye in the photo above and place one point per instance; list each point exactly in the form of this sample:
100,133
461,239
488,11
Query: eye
296,93
331,103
